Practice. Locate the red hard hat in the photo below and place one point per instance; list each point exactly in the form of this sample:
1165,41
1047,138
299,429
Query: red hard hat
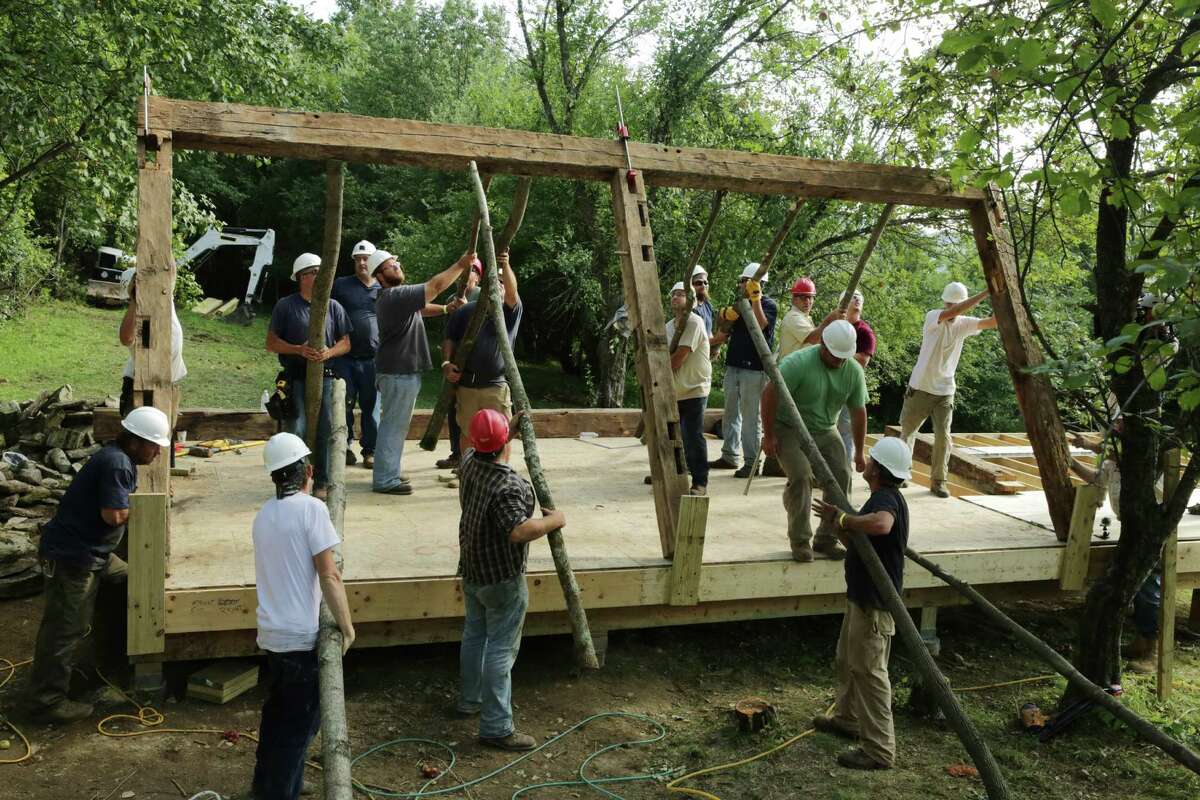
489,430
804,286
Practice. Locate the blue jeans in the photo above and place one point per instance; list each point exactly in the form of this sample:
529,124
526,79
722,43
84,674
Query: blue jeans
291,717
360,387
1146,604
495,615
691,427
741,420
299,426
397,398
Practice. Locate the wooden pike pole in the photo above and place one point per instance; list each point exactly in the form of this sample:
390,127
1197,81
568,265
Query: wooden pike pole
585,651
335,734
938,686
692,261
472,240
856,276
314,371
479,315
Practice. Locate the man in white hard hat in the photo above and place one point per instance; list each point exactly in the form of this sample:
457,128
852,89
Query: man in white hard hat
294,567
864,697
287,336
930,391
822,380
127,333
691,372
402,356
864,351
744,375
357,294
704,306
76,552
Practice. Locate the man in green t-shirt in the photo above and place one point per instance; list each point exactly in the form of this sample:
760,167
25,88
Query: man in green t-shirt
822,380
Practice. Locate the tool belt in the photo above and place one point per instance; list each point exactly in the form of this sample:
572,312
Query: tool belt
478,380
281,406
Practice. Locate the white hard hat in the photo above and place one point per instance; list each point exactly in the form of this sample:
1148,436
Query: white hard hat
954,292
363,248
856,296
678,287
841,338
751,270
893,454
377,259
127,276
283,449
1148,300
699,270
305,261
147,422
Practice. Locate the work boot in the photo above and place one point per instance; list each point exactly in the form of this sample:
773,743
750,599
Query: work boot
722,463
830,548
802,553
514,741
1147,663
938,489
449,462
744,471
1138,648
368,461
698,491
857,759
62,712
351,459
399,488
830,725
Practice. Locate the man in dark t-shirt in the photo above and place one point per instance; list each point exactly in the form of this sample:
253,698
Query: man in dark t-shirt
864,352
864,697
356,293
76,553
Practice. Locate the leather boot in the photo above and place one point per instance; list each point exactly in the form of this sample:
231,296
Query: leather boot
1138,647
1146,664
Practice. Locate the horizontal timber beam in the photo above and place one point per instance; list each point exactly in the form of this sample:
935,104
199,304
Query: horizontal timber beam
255,130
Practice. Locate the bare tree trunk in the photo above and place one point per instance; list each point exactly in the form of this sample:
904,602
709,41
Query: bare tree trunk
315,370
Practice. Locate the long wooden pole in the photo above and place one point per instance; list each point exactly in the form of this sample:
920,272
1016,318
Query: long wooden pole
335,733
989,770
585,650
472,240
693,260
856,276
314,371
429,439
1172,747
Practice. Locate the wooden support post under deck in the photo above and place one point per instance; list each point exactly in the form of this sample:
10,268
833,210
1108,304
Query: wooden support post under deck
1073,568
1170,560
689,550
643,296
929,635
1035,394
146,610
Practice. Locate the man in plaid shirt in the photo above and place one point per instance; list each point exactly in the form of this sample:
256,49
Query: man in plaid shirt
494,533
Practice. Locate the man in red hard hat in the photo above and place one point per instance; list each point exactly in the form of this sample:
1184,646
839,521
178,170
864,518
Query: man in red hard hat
494,533
797,329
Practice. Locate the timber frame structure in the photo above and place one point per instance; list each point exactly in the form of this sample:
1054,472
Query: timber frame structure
168,124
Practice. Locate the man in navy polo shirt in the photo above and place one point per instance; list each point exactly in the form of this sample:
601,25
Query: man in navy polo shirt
357,295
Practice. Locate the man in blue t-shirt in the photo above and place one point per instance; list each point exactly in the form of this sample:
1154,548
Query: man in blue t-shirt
744,376
287,336
76,552
482,383
704,306
864,697
357,294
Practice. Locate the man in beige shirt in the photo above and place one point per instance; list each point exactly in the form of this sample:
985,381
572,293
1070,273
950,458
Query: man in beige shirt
797,329
692,376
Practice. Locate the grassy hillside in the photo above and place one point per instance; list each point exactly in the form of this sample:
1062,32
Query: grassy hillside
228,367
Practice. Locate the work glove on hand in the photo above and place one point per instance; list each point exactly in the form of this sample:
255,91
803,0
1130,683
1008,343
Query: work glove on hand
728,314
753,291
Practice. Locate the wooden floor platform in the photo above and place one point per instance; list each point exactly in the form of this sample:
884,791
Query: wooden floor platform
401,553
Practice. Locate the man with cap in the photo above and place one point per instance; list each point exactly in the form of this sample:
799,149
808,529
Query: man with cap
822,380
930,391
127,334
494,533
864,351
864,697
294,567
704,306
482,384
744,375
76,552
357,294
287,336
691,372
402,356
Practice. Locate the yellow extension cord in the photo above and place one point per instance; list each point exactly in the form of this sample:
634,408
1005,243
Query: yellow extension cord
12,670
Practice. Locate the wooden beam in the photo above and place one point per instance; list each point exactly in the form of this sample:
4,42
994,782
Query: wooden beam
643,297
146,609
232,128
689,550
993,478
1074,570
1035,394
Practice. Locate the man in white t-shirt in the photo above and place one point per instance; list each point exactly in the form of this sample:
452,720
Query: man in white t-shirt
692,375
293,568
930,390
126,335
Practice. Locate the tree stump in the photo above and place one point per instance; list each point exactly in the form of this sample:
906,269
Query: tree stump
753,714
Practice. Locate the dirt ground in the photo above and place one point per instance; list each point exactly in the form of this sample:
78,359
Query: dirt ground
684,678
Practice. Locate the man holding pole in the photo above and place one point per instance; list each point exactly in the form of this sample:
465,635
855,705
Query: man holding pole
691,372
357,294
931,387
822,380
864,351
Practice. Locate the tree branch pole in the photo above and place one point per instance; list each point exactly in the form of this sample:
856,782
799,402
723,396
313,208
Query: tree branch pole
472,241
693,260
938,686
314,371
856,276
1172,747
479,316
585,651
335,733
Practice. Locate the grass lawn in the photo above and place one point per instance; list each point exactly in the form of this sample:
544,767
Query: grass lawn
228,367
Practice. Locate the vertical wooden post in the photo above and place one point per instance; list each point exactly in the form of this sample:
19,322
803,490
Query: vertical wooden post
929,635
314,371
1035,394
689,550
146,607
643,296
1166,611
1073,568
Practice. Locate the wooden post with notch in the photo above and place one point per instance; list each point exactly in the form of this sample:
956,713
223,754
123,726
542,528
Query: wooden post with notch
643,296
1073,568
1169,563
1035,394
689,550
146,608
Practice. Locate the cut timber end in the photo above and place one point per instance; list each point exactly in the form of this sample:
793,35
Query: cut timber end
753,714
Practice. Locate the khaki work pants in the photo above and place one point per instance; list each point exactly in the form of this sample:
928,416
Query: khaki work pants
864,695
919,406
797,495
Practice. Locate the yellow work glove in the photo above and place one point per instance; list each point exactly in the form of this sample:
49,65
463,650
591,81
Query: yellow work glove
728,314
753,291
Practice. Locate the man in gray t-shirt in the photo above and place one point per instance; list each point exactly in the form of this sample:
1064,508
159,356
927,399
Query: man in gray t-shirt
402,355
